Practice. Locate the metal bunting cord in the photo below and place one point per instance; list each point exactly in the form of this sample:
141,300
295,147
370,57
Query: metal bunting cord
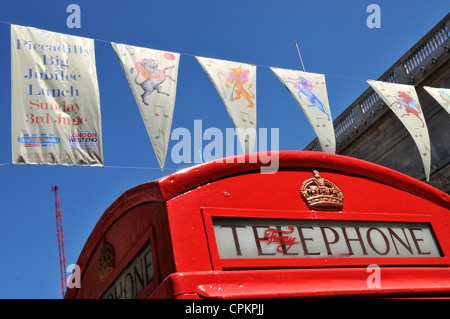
149,168
104,166
194,55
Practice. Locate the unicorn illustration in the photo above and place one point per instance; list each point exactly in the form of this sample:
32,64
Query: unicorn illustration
305,86
154,77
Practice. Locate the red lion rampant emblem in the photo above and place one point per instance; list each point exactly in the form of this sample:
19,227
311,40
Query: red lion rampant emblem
410,104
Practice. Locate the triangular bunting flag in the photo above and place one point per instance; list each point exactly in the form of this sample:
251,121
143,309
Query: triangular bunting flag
402,99
310,92
236,84
442,96
152,76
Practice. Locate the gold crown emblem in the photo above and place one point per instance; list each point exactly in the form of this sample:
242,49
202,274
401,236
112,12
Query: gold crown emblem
321,194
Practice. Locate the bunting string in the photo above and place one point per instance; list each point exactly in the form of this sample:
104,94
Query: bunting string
440,183
108,166
255,64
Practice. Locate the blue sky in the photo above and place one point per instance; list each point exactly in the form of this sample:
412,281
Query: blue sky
333,38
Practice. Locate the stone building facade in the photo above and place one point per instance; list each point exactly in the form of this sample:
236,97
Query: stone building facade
369,130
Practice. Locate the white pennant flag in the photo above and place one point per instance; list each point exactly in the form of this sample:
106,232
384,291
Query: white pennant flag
236,84
55,99
402,99
442,96
310,92
152,76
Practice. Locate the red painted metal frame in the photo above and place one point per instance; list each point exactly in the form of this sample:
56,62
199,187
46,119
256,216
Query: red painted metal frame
260,263
181,206
399,282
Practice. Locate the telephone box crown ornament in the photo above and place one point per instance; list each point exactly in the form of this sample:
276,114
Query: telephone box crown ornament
321,194
106,260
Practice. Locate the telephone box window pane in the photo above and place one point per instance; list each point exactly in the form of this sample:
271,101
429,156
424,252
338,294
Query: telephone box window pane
134,278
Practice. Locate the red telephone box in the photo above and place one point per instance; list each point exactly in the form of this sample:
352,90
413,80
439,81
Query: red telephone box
322,225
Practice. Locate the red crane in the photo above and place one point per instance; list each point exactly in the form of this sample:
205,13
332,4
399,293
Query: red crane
59,234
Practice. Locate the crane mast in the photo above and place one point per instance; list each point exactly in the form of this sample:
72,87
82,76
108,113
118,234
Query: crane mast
59,234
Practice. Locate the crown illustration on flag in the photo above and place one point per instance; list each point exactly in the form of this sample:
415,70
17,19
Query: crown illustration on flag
321,194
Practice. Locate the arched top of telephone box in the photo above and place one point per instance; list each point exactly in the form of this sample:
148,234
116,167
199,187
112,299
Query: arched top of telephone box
184,180
189,178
